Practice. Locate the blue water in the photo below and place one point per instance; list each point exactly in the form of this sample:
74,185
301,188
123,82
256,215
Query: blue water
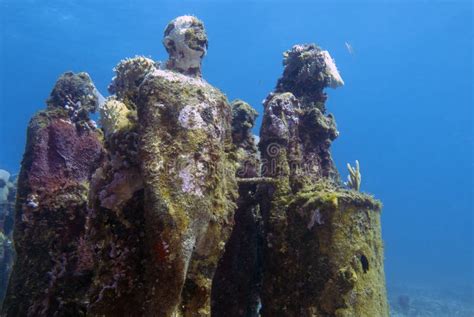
406,111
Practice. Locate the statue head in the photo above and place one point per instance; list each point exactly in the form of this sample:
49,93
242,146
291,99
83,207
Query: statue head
186,43
76,93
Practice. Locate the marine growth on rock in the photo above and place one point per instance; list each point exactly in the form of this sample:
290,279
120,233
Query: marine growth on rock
174,208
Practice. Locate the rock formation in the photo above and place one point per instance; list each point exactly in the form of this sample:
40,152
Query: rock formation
323,254
171,209
63,149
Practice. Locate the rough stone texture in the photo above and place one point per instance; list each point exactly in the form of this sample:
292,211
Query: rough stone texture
308,70
322,253
61,153
327,241
115,242
129,74
7,213
139,221
190,189
295,114
236,285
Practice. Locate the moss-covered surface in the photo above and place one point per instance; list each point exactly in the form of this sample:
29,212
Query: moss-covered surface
61,153
322,252
236,284
44,280
113,250
327,240
113,247
116,116
141,227
190,189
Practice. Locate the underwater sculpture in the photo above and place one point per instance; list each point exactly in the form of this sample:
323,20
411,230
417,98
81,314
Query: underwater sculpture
7,213
188,174
170,209
63,149
163,201
323,252
114,248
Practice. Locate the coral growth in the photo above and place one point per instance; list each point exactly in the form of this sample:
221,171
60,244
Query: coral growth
51,208
114,116
354,178
243,120
129,74
172,209
325,239
76,94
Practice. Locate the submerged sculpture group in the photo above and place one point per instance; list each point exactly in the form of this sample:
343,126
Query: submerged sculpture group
172,209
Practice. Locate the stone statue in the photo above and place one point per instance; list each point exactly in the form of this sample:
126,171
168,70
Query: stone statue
63,149
188,174
171,209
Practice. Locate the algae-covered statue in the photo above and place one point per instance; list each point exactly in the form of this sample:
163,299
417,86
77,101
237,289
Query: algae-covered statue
168,186
63,149
325,239
171,209
188,173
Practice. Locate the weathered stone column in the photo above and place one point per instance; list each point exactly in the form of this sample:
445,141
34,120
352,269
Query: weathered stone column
63,149
323,253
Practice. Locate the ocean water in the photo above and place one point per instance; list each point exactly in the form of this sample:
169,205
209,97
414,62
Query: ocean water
405,112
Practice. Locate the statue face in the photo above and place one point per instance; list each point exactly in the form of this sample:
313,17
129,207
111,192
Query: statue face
186,43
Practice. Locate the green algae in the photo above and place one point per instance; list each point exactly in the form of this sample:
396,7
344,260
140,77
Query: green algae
327,241
190,184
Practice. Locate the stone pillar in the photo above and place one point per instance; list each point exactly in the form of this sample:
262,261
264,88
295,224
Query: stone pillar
323,252
63,149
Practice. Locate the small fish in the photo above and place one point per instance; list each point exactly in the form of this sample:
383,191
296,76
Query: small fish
349,48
